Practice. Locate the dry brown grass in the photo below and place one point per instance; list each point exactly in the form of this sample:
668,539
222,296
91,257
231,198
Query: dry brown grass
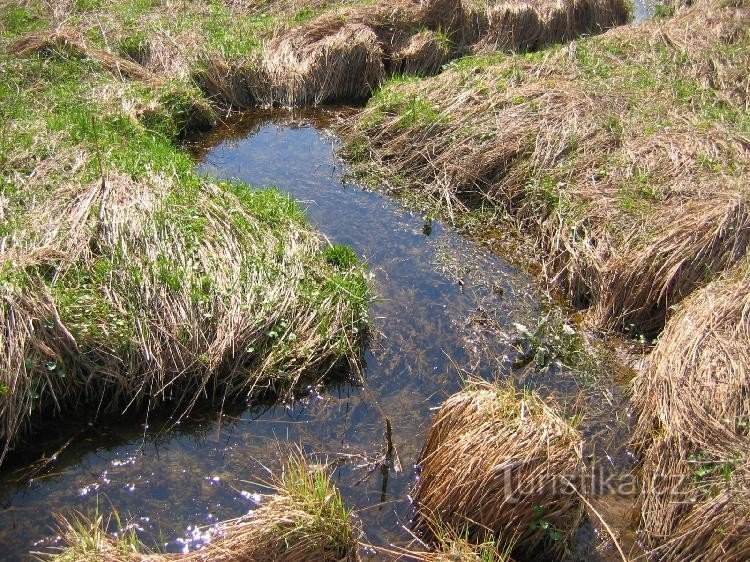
530,25
717,528
623,155
345,54
342,54
127,295
307,68
71,43
304,520
495,462
423,55
227,84
692,430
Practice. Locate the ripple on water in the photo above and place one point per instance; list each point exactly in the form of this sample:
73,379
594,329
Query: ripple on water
172,480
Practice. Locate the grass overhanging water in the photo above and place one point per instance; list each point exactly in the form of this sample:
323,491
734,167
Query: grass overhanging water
128,281
624,155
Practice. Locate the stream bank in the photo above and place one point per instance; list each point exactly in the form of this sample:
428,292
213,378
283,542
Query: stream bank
445,307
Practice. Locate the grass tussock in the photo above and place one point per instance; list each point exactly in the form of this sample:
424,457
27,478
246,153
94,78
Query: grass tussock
624,155
528,26
692,430
304,520
346,54
494,464
121,294
128,282
423,55
302,69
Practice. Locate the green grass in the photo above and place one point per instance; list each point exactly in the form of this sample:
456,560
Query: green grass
68,124
87,537
16,19
394,98
418,112
313,492
341,256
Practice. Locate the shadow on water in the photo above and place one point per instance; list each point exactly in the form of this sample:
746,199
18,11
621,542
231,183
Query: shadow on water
445,306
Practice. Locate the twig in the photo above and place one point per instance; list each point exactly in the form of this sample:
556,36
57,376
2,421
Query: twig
606,526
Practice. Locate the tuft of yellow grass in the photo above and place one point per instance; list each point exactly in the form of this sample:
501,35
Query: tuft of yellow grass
303,520
496,463
692,428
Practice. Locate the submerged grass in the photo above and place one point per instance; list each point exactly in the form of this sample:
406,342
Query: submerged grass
304,519
127,281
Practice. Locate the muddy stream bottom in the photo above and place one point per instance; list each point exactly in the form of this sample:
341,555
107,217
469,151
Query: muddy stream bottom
446,306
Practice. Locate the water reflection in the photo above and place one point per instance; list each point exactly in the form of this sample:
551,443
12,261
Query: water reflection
445,305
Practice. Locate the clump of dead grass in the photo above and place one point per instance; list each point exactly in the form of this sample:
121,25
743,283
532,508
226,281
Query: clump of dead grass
718,526
623,155
527,26
304,520
346,54
497,461
310,68
228,84
424,55
696,381
342,54
692,430
123,294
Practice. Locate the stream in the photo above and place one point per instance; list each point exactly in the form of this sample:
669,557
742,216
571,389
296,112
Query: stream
445,306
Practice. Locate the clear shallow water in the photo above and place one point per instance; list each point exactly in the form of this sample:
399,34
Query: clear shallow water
445,305
425,325
644,10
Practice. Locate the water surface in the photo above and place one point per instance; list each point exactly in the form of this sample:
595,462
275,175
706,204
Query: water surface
443,304
446,306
